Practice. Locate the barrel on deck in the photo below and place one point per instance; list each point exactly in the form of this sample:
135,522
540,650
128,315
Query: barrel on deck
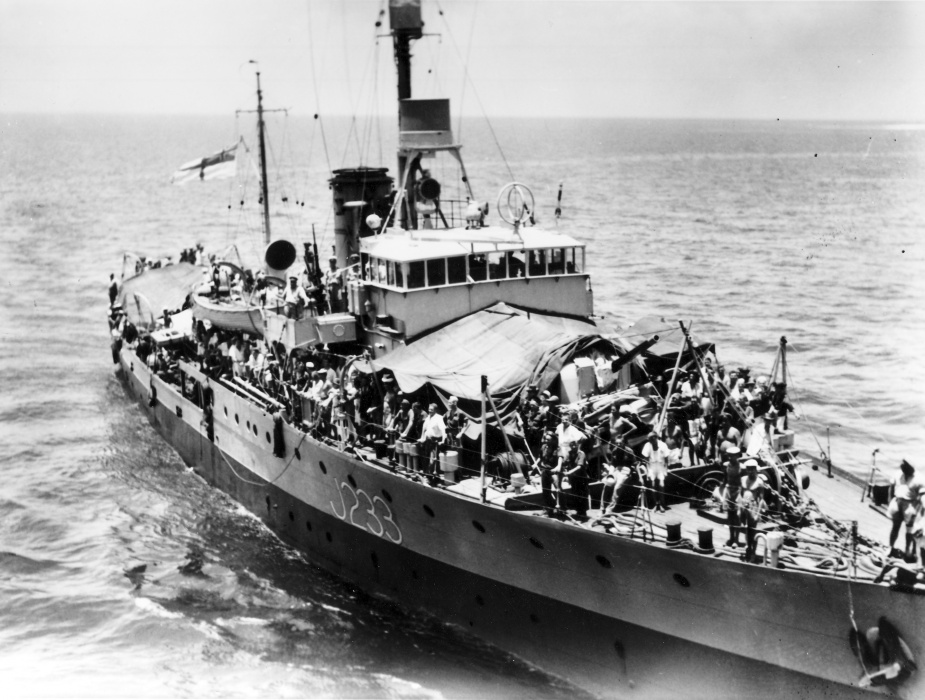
413,451
449,463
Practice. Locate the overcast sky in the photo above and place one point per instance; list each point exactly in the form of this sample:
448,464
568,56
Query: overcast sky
801,60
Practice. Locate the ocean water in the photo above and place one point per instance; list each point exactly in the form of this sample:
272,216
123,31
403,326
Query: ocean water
122,573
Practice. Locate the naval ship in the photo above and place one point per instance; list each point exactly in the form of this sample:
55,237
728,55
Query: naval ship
444,301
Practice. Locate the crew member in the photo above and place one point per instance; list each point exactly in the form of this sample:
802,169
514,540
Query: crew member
751,503
453,420
113,289
294,298
656,453
548,466
433,434
575,468
905,490
731,495
334,286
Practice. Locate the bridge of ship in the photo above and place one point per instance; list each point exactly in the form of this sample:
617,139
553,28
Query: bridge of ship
419,280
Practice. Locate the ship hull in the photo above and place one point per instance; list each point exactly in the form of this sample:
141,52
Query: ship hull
614,616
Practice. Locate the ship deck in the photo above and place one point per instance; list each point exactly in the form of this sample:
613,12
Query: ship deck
837,496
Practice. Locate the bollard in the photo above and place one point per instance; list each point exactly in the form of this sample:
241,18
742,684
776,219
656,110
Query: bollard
705,538
674,531
773,543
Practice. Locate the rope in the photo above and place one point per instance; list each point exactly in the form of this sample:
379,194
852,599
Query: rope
271,481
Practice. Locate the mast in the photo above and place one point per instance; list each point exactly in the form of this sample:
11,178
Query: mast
406,23
783,359
263,164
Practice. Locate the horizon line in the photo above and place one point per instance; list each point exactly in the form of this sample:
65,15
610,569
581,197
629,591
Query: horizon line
900,120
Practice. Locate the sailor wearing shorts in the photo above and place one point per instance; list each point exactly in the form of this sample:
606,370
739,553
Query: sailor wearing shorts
751,503
907,489
655,452
731,495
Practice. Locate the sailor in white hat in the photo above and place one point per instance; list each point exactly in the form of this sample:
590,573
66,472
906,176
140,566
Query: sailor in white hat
731,494
751,503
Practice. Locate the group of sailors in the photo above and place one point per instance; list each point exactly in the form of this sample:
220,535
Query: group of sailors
703,422
310,292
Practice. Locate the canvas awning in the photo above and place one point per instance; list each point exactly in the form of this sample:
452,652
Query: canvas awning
510,346
149,294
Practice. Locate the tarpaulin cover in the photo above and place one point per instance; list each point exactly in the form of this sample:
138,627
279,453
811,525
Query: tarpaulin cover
147,295
669,336
508,345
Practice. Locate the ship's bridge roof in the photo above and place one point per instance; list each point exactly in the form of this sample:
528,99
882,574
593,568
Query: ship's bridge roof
426,244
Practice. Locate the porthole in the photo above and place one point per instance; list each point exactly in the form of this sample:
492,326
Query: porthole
374,559
268,437
324,469
291,516
681,580
236,419
248,425
480,600
254,427
414,574
328,537
308,526
534,619
226,411
478,526
387,495
536,543
428,510
604,561
353,482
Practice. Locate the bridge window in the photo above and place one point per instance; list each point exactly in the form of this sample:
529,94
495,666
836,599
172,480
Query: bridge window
497,266
366,267
537,263
557,261
436,272
456,270
478,268
515,264
416,278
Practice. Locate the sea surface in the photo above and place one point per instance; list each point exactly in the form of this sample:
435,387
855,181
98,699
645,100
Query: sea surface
123,574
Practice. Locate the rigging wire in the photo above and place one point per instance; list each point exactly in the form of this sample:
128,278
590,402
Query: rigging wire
468,80
311,60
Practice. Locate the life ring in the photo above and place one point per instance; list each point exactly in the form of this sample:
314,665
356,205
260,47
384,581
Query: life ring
884,656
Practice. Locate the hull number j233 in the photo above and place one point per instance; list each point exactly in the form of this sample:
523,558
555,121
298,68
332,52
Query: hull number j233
381,526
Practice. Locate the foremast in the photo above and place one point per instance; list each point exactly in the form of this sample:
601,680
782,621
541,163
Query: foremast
407,25
264,192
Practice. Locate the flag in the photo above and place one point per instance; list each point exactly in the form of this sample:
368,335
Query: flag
217,166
